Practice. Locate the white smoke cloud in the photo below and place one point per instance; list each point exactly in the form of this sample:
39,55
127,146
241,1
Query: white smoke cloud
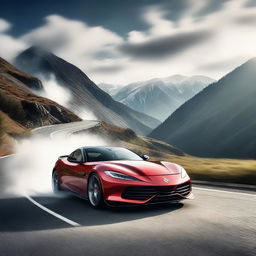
29,172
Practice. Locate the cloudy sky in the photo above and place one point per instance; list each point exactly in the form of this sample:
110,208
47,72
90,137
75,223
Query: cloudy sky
118,42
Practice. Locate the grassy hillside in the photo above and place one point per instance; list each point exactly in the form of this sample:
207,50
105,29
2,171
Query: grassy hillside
220,170
9,130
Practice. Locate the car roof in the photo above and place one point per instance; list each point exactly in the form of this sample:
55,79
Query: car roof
95,147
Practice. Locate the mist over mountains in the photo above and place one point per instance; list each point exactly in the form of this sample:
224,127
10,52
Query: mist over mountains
219,121
158,97
85,94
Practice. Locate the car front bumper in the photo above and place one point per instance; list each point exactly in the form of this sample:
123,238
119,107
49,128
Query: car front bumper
153,190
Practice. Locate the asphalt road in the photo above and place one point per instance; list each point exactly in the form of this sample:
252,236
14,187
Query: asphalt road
216,222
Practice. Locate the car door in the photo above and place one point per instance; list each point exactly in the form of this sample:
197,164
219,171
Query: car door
74,175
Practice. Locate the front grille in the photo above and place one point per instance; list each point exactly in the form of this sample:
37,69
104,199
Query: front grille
161,193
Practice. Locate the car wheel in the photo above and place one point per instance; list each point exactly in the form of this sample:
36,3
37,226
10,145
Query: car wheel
55,183
94,191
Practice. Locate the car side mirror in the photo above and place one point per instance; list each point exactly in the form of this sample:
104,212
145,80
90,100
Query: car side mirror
145,157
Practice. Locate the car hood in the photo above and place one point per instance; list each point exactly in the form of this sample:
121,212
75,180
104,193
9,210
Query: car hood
142,168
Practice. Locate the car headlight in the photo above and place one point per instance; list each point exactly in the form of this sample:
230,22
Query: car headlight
119,175
183,172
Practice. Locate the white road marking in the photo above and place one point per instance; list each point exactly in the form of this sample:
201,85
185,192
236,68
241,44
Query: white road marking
70,222
224,191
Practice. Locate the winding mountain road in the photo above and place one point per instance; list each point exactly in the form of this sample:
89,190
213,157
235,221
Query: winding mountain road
217,222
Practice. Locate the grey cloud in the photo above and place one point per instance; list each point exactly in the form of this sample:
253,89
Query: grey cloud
107,69
163,46
106,54
211,7
246,20
250,3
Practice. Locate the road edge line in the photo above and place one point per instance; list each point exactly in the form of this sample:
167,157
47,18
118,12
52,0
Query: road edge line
68,221
224,191
238,186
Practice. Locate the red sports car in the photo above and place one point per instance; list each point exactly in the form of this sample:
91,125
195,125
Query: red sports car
118,176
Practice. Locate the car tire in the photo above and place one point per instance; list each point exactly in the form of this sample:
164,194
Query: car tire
55,183
94,191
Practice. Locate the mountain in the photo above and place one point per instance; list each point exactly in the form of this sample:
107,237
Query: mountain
23,106
111,89
85,94
158,97
20,109
219,121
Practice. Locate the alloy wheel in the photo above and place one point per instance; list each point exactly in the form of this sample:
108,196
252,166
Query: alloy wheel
94,191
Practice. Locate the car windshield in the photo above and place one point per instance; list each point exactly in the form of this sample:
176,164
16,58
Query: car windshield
110,154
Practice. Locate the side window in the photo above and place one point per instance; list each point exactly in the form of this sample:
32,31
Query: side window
77,155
